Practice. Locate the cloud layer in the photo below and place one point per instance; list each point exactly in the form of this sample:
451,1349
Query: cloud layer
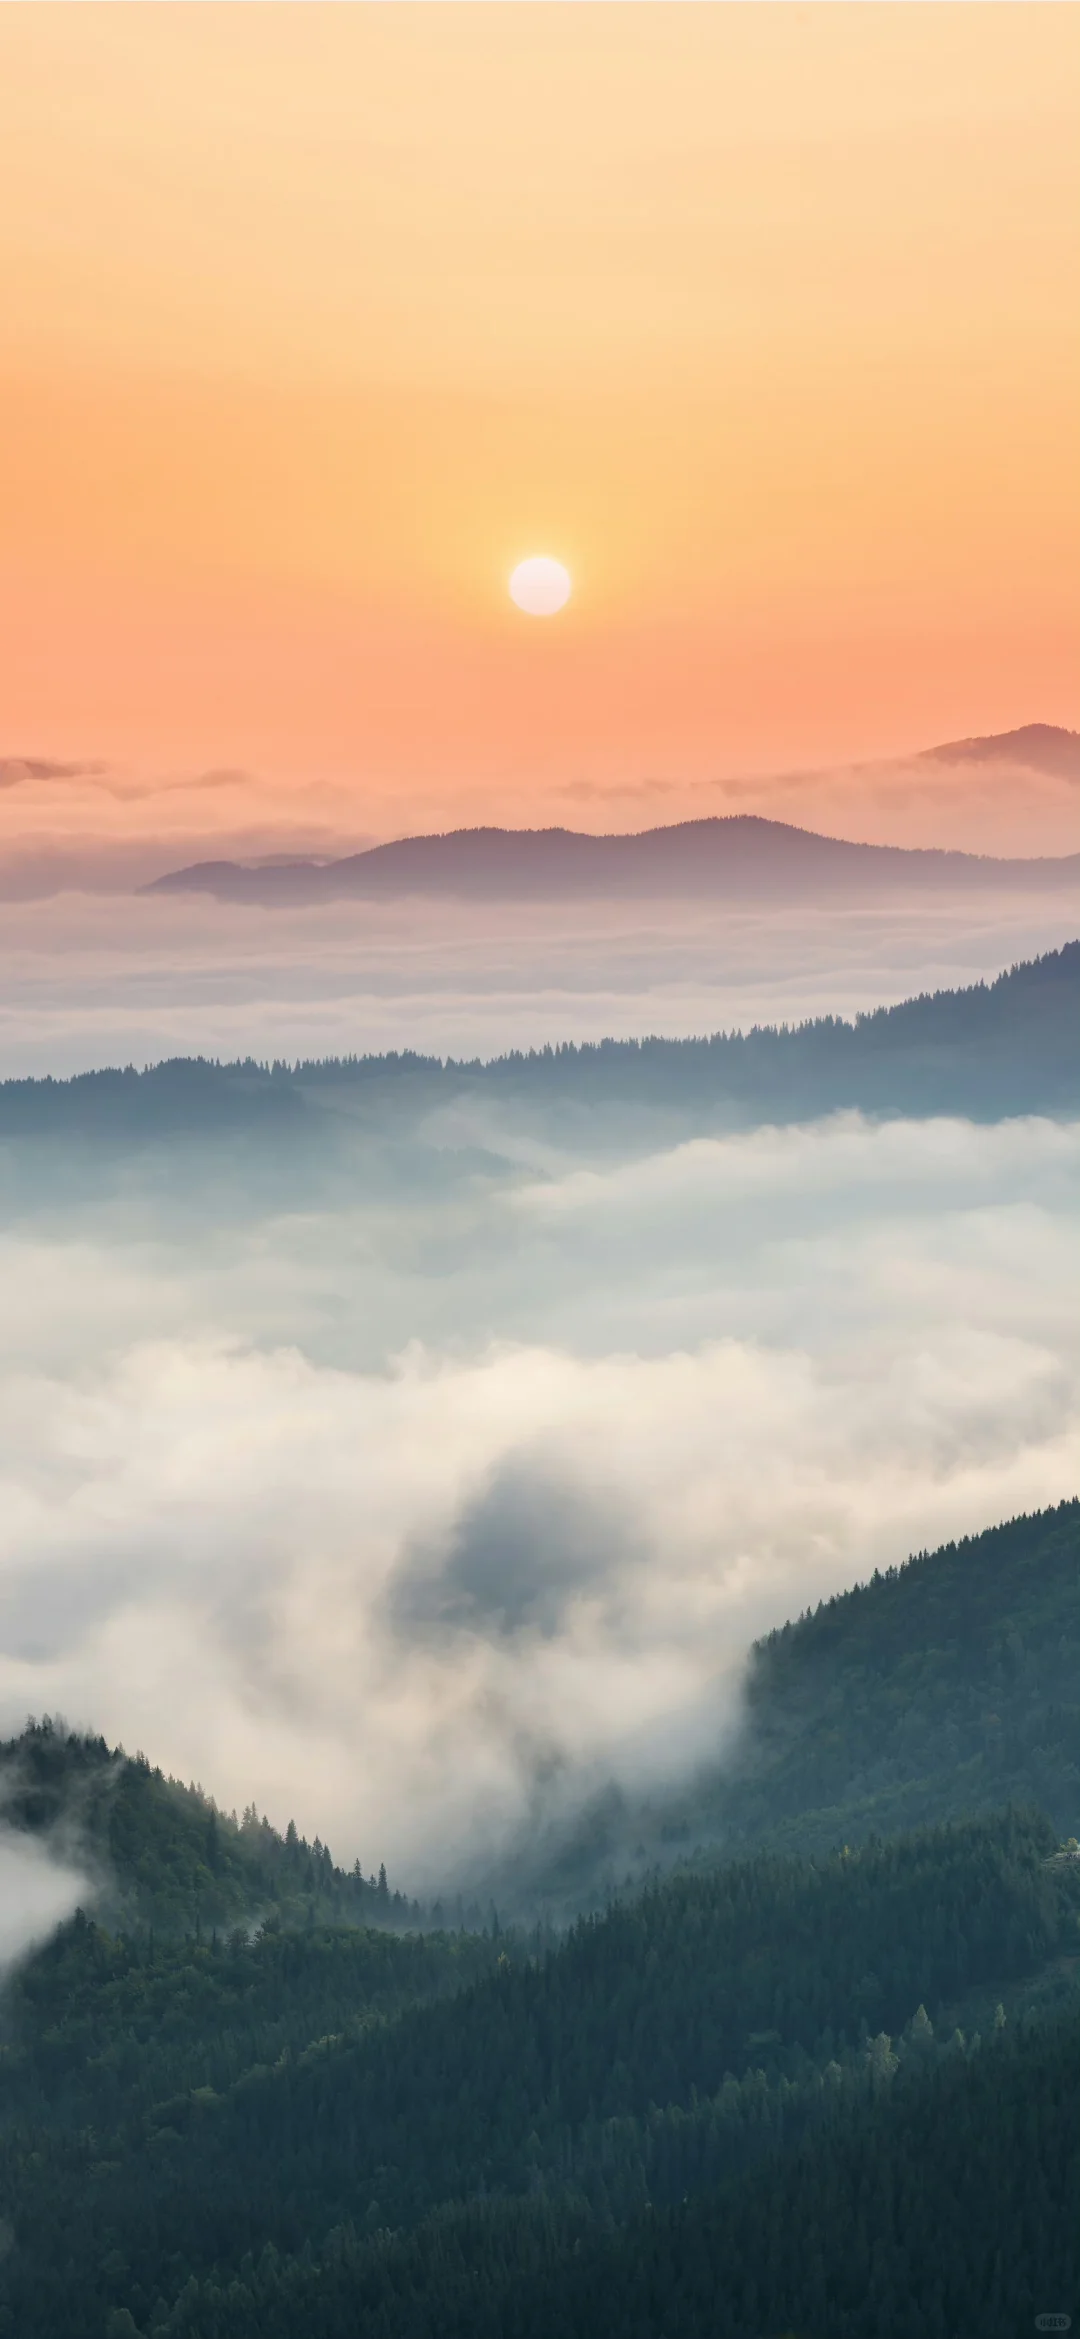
419,1515
98,981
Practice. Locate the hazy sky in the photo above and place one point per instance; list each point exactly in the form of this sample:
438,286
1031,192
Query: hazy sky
316,319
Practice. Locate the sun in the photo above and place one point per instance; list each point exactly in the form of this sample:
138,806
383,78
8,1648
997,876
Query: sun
540,586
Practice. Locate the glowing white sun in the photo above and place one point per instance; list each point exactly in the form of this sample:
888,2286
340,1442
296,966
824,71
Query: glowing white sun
540,586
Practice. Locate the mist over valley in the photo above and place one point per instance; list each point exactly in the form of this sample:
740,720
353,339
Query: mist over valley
684,1339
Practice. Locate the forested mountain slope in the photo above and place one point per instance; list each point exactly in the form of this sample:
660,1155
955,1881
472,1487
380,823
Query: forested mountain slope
710,2028
833,2092
944,1687
990,1051
160,1854
942,2204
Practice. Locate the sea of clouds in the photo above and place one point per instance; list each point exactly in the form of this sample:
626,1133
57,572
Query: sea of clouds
421,1507
91,979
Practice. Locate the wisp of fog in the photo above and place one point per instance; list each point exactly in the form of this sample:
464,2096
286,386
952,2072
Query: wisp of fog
38,1889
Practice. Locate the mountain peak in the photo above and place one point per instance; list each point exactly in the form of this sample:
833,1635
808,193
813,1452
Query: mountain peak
1043,747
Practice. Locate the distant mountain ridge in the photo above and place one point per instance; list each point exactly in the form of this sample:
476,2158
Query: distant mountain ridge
1040,747
740,856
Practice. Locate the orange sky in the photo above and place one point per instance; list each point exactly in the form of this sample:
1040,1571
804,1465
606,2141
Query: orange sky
764,319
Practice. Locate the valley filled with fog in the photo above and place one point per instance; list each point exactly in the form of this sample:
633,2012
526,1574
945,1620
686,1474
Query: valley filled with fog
421,1493
115,978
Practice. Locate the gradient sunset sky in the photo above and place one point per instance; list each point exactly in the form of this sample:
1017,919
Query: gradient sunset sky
764,319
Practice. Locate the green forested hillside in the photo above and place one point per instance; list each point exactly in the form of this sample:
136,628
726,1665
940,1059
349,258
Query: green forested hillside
941,2204
719,2022
824,2081
947,1686
162,1855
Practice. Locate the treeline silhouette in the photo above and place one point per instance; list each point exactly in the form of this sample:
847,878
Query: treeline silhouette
992,1050
163,1856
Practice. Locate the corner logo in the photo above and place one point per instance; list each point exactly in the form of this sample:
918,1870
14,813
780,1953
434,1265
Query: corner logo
1053,2322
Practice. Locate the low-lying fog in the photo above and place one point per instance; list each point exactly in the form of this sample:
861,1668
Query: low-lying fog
426,1507
96,979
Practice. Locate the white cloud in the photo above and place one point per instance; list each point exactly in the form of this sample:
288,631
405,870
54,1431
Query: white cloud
386,1515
